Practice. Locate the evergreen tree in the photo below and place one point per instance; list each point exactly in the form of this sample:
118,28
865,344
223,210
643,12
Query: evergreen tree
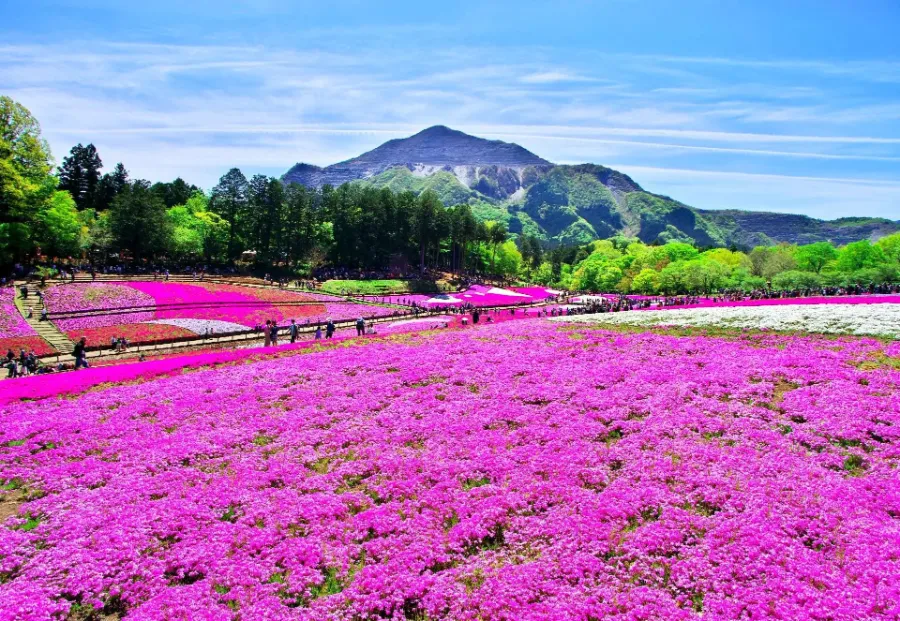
138,221
109,187
497,235
426,222
177,192
79,174
229,200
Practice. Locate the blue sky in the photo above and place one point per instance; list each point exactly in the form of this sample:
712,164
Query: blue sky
781,106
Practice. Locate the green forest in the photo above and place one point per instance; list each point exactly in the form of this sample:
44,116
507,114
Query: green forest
76,212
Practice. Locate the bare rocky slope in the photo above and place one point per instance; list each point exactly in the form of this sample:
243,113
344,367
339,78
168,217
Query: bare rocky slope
565,204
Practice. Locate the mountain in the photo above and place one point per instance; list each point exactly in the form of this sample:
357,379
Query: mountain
562,203
433,150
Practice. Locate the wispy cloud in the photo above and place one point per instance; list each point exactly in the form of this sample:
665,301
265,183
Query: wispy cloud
198,109
871,70
549,77
822,197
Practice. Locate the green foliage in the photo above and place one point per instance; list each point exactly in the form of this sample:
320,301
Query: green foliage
138,221
890,247
796,279
646,282
443,184
814,257
79,175
26,186
859,255
376,287
58,228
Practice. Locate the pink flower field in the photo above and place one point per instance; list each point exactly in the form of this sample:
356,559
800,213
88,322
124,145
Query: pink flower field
516,471
138,310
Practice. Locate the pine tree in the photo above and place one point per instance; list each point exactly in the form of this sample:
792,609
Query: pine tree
229,200
110,186
80,175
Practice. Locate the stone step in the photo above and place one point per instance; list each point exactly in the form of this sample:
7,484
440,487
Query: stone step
44,329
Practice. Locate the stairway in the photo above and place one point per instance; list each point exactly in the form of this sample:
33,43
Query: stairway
45,329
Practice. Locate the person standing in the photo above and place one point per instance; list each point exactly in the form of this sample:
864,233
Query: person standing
329,329
318,332
274,331
267,334
360,326
293,331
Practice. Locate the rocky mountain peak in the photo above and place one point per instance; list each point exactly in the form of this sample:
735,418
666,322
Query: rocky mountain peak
437,147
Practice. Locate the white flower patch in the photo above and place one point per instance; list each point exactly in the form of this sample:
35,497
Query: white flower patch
860,319
200,326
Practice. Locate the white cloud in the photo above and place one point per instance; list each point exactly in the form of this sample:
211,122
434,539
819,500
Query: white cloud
198,110
549,77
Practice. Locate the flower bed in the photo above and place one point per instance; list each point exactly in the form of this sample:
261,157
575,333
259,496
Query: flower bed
827,318
134,332
522,471
481,295
12,324
188,308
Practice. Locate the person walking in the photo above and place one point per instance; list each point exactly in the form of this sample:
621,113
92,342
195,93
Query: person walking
80,353
294,330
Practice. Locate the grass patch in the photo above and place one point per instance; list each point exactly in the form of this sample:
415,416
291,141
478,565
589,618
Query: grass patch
473,483
263,440
378,287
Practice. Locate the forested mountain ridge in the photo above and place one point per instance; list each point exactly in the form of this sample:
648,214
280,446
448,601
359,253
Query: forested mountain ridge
566,204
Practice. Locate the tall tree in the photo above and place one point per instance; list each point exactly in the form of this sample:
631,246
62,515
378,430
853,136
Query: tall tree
109,187
30,204
497,235
138,221
174,193
79,174
463,228
426,222
229,200
300,223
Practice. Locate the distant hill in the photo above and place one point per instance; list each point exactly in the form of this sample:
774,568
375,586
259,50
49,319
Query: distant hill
561,203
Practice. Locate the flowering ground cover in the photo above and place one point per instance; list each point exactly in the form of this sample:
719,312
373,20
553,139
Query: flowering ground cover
481,295
538,293
148,311
525,470
476,295
826,318
15,332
